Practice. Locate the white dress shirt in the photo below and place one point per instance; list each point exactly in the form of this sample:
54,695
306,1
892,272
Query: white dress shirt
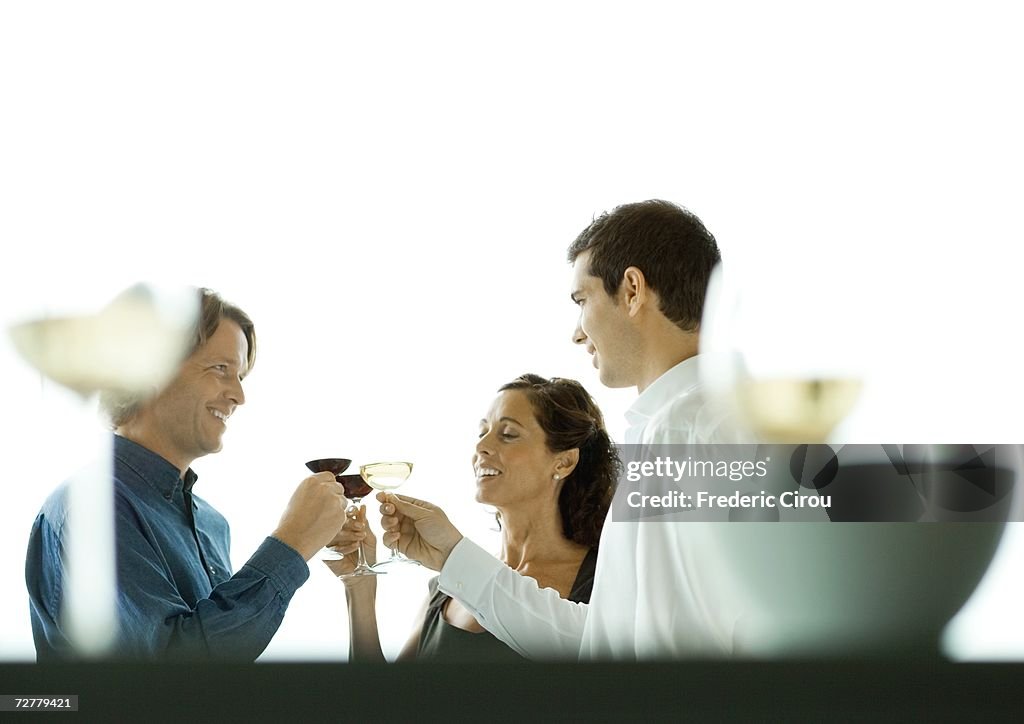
644,603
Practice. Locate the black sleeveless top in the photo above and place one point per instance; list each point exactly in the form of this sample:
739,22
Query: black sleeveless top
440,641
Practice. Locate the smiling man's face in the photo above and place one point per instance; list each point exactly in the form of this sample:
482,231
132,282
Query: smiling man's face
189,417
604,327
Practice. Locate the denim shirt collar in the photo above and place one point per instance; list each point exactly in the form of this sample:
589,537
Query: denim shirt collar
159,473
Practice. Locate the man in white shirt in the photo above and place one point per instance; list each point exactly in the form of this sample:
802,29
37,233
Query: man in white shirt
640,275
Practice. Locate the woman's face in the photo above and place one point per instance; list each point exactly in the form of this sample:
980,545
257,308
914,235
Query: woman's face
512,462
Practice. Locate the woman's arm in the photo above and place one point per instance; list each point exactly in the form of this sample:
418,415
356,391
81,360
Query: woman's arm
363,635
361,597
360,591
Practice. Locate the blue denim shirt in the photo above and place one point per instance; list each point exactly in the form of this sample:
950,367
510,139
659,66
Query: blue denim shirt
176,595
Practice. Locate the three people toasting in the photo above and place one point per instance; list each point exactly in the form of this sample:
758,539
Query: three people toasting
640,276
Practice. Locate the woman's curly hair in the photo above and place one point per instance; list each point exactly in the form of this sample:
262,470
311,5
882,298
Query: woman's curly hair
571,419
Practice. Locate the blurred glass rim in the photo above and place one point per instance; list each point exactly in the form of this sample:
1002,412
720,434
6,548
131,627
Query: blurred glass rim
773,322
133,344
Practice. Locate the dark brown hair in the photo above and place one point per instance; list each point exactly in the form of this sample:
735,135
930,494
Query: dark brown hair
121,407
666,242
571,419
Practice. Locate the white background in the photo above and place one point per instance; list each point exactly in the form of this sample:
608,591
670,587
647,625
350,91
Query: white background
388,189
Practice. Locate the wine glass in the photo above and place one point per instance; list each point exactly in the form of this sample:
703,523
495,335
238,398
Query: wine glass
787,361
786,343
129,349
355,490
388,476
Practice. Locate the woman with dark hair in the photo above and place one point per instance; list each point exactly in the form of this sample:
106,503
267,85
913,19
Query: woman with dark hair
546,464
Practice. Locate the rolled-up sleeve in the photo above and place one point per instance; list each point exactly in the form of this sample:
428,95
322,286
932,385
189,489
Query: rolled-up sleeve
236,621
176,596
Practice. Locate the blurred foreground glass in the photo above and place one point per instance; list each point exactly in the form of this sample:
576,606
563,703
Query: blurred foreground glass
781,357
787,352
132,347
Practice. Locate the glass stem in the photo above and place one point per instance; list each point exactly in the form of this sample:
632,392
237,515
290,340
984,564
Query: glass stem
360,561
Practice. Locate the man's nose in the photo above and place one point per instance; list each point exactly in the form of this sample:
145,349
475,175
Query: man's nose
236,394
578,336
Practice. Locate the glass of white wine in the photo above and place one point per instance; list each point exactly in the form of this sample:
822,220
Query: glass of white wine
783,357
388,476
796,410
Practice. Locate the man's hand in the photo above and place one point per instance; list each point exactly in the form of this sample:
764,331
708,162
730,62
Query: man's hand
314,515
420,529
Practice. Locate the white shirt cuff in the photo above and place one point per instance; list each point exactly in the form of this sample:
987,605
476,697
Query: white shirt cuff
468,572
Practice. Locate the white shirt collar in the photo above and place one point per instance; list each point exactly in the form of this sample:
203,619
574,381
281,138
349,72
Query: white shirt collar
673,382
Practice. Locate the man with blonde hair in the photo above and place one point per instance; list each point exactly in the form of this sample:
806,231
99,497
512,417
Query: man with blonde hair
177,596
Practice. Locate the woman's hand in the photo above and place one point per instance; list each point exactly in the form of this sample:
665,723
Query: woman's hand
354,533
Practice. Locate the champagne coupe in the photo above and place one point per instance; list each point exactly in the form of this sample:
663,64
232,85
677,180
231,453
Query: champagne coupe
355,490
784,359
129,349
388,476
797,410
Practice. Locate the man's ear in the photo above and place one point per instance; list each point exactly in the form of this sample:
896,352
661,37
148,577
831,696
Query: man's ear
633,290
566,463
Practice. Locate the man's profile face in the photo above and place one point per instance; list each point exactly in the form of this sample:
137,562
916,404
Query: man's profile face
604,327
190,414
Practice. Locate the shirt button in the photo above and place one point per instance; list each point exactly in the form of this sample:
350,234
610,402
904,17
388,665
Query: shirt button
459,585
213,570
